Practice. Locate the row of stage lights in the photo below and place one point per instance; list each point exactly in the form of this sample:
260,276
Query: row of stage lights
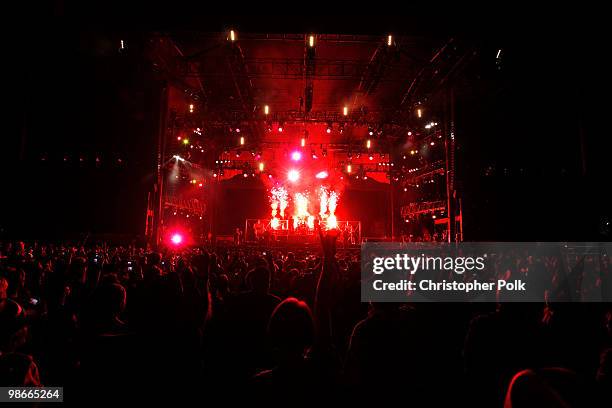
232,36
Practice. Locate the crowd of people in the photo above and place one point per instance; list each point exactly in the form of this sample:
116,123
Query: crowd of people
287,325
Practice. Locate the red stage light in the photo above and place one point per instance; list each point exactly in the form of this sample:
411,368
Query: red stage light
322,174
293,176
296,156
176,239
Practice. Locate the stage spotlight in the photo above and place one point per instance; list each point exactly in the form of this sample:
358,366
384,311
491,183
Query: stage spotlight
296,156
432,143
322,175
280,127
419,113
390,40
232,35
349,168
409,133
266,110
371,157
241,140
368,143
261,166
370,132
345,111
191,108
303,142
293,176
185,141
176,239
311,41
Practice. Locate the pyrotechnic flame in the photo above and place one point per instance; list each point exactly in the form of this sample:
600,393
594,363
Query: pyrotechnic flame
279,198
323,202
310,221
333,202
332,222
301,205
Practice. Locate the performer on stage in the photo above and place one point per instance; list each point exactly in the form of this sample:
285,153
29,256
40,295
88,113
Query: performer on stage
258,229
237,237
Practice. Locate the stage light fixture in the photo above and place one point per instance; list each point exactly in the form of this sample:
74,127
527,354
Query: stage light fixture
191,108
389,40
241,140
432,143
232,35
176,239
368,143
293,176
303,142
280,127
345,111
371,157
322,175
349,168
311,41
261,166
185,141
296,156
419,113
266,110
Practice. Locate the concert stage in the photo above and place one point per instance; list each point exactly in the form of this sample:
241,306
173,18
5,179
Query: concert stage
266,231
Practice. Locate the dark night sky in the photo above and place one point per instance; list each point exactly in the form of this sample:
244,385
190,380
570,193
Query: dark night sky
73,95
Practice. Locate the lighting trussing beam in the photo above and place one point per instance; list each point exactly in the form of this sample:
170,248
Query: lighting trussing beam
292,68
242,85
